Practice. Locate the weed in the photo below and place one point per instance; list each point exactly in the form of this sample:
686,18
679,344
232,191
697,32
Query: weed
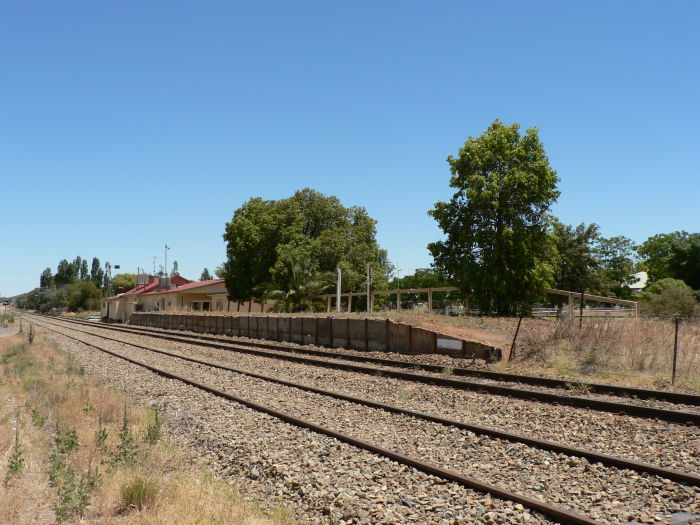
100,436
16,463
66,440
138,493
21,328
153,431
57,467
125,453
33,384
404,395
74,494
38,418
74,368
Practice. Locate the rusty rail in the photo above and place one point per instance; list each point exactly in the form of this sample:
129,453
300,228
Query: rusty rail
676,416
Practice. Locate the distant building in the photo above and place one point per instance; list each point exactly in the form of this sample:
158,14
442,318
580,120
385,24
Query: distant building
181,295
641,279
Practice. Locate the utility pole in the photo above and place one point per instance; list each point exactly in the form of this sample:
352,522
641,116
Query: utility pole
154,265
166,262
369,288
339,285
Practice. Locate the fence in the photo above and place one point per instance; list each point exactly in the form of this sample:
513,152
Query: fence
571,296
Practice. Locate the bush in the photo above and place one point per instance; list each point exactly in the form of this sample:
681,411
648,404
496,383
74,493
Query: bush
669,297
138,493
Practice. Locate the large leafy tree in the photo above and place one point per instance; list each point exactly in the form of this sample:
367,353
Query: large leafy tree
266,239
576,256
206,276
684,261
615,268
498,250
655,253
123,282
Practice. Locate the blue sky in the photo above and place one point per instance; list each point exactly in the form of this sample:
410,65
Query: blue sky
126,125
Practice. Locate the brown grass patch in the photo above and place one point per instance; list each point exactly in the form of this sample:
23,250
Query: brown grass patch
104,477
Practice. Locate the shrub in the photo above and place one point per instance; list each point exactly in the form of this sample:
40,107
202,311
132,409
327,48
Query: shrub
138,493
669,297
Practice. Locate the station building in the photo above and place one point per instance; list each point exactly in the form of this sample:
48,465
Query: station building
175,294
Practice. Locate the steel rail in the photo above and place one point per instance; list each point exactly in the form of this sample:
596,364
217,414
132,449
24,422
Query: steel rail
627,409
605,459
598,388
562,515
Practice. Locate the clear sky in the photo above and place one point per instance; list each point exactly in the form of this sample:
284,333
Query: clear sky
127,125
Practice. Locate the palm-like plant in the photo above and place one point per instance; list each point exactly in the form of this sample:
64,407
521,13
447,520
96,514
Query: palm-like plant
301,291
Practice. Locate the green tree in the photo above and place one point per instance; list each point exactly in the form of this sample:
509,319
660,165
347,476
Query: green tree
206,276
498,250
684,261
615,266
668,297
84,272
123,282
176,269
82,295
301,291
266,239
46,279
655,254
64,273
220,272
576,256
75,268
97,273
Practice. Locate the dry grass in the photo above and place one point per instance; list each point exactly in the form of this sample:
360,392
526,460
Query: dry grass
636,352
54,397
631,351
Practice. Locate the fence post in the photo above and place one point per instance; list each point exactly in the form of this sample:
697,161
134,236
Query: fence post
512,346
580,317
430,299
571,306
675,350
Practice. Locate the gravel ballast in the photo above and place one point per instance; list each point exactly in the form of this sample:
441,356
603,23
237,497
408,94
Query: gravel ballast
608,494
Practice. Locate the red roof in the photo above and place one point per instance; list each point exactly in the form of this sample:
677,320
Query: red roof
153,284
187,286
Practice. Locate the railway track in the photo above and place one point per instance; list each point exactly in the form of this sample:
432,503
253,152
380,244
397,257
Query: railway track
293,355
686,478
597,388
606,459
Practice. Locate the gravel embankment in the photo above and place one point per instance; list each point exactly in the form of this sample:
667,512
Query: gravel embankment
667,444
319,478
568,482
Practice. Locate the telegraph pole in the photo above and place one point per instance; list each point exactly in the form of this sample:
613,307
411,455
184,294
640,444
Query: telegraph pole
337,289
369,287
166,263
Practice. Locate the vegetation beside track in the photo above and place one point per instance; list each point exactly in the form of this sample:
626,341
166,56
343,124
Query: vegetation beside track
79,451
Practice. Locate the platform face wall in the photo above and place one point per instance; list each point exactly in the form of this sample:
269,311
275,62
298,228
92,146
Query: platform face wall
380,335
